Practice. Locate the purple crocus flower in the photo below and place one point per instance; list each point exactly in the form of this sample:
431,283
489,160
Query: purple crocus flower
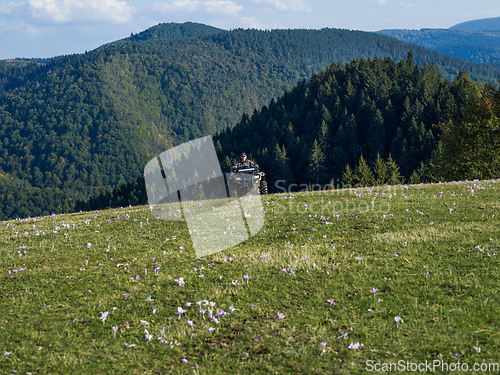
221,312
477,348
398,320
180,311
355,346
104,315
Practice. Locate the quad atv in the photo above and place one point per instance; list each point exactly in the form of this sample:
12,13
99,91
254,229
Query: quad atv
244,180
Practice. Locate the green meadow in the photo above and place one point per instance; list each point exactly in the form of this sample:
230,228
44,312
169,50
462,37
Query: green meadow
339,281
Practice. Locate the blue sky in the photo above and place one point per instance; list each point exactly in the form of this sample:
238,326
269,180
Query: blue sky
46,28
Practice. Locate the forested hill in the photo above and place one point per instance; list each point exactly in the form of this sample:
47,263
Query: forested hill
373,108
481,24
372,111
479,46
167,31
77,125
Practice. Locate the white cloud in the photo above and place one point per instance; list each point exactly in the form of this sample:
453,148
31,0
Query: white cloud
219,7
64,11
11,8
287,5
407,5
21,30
379,2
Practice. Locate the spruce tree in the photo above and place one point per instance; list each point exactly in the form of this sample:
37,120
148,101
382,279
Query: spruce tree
290,137
281,167
376,134
226,165
316,163
348,177
380,171
323,137
363,175
415,178
414,144
351,138
218,149
399,150
395,178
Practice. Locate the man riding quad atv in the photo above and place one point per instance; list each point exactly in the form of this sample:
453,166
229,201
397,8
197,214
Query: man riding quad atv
245,177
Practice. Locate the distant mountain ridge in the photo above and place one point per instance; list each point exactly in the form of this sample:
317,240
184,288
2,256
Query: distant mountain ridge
469,44
480,24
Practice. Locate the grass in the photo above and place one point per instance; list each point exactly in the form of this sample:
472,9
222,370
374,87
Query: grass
435,268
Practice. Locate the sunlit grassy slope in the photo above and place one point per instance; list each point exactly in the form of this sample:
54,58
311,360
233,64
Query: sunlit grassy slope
318,290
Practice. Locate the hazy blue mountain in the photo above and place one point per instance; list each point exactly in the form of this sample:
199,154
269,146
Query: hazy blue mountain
481,24
479,46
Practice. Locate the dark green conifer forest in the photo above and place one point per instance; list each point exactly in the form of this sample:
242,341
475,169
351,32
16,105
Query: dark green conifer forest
354,114
73,128
368,122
